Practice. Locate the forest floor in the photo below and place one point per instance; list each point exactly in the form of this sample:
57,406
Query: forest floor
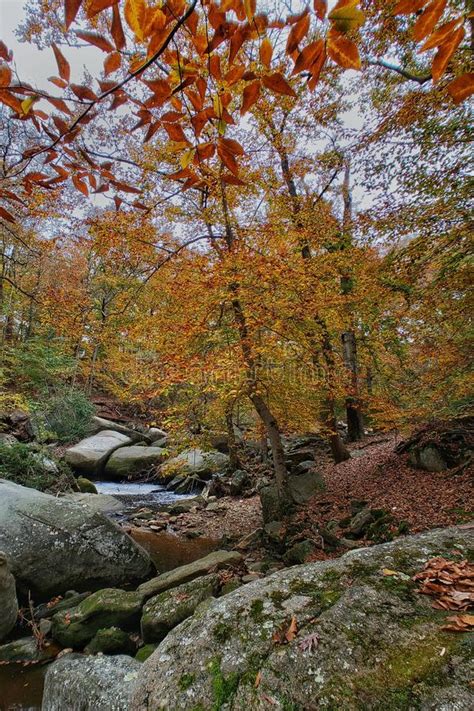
375,474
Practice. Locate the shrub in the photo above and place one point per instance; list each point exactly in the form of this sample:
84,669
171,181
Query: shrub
34,467
65,416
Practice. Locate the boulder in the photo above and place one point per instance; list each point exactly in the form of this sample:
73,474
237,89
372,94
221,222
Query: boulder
299,552
196,462
190,571
85,486
111,640
302,487
7,439
84,683
110,607
26,650
238,482
105,503
428,458
164,611
339,634
55,544
155,434
271,510
90,455
8,600
99,424
130,461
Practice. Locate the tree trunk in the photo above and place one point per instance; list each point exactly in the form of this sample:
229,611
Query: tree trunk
231,440
355,422
261,407
338,449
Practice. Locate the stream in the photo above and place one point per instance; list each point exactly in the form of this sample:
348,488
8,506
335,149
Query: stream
21,688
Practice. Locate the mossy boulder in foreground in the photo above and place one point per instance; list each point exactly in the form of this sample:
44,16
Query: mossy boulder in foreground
364,640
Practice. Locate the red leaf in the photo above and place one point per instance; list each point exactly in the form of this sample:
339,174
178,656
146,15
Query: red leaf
117,30
428,19
5,75
83,92
58,82
80,185
59,104
112,63
6,215
71,8
320,8
63,64
461,88
97,6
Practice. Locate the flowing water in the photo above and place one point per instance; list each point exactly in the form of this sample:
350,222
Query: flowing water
21,688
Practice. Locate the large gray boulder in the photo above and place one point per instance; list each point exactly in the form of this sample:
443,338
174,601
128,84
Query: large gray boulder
8,600
99,424
130,461
55,545
88,456
85,683
196,462
351,633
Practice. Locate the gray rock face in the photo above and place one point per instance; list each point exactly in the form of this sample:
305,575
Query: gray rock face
105,608
106,503
8,600
26,650
128,461
186,573
164,611
55,545
88,456
363,640
428,458
197,462
79,683
99,424
302,487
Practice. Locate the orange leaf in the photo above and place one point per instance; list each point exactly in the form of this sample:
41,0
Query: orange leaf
440,35
80,185
320,8
428,19
342,50
290,633
63,64
308,56
125,187
112,63
5,75
10,100
462,87
278,84
407,7
95,39
445,52
227,157
297,32
250,96
266,52
316,69
135,15
232,179
6,215
96,6
116,29
71,8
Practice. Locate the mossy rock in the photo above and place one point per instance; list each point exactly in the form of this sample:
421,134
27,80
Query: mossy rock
145,652
85,486
164,611
111,640
105,608
363,640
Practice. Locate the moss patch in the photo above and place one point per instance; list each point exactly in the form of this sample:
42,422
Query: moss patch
186,681
224,687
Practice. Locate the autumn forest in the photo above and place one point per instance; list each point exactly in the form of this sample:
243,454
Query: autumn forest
242,229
